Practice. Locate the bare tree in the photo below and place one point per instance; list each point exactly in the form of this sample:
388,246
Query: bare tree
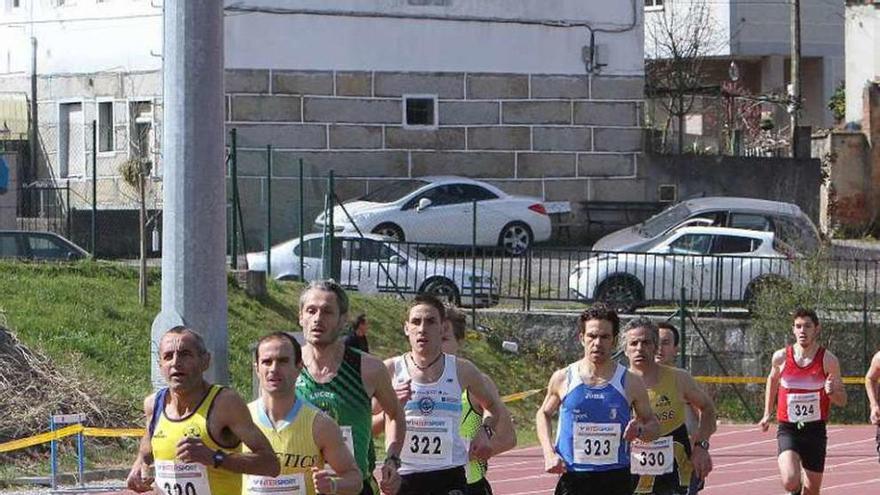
677,41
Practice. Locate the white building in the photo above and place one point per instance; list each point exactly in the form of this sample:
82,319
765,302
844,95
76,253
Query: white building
756,35
506,90
862,53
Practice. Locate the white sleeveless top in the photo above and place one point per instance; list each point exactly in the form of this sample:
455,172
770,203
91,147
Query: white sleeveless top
433,416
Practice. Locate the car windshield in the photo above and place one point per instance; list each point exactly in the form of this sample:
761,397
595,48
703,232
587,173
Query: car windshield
662,221
393,191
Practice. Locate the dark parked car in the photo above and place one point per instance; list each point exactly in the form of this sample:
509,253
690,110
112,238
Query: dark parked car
40,246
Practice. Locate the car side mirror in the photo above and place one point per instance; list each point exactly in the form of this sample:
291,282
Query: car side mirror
423,203
396,260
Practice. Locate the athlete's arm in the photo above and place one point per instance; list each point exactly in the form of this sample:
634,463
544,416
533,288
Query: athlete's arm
135,481
231,413
834,386
700,400
872,379
644,426
772,387
505,433
377,378
544,422
472,380
345,477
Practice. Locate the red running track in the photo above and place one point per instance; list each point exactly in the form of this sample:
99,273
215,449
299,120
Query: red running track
744,459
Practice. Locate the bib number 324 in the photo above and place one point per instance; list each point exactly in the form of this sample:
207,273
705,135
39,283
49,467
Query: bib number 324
804,408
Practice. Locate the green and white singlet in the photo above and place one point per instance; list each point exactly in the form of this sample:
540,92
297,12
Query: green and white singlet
470,425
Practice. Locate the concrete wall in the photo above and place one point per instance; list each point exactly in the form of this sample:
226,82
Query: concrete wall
778,179
9,195
863,55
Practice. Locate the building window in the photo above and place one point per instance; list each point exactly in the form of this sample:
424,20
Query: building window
420,111
105,126
141,129
654,4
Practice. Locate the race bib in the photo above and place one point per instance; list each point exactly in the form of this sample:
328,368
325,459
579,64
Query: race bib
181,479
596,444
347,438
804,408
285,484
652,458
428,442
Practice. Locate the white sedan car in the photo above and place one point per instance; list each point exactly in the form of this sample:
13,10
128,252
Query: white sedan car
440,210
710,263
376,263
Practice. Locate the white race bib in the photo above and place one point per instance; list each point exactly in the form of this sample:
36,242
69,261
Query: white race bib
804,408
652,458
285,484
596,444
428,442
348,438
181,479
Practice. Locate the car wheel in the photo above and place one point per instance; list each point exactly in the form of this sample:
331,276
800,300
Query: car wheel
515,238
764,284
390,230
443,289
623,294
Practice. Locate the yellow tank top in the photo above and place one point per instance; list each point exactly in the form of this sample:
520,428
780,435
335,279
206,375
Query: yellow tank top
669,408
174,478
294,443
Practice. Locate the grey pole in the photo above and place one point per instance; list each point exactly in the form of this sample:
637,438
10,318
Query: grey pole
194,192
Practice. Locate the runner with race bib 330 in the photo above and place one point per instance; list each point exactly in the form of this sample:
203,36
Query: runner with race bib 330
666,465
595,398
804,381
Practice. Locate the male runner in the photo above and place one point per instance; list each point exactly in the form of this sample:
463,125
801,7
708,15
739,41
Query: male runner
594,397
435,452
666,465
195,429
303,437
807,379
872,382
341,381
667,352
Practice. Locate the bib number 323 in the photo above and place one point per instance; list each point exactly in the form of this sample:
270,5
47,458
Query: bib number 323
596,444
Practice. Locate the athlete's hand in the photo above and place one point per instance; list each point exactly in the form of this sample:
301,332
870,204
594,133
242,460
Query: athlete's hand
193,450
390,483
324,481
553,464
633,430
135,482
875,415
403,391
481,446
764,423
702,462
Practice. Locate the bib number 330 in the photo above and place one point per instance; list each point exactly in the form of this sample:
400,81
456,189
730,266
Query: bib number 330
181,479
652,458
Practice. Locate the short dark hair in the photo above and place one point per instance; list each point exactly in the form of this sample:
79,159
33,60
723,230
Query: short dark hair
297,349
326,285
458,320
361,318
801,312
599,311
430,300
182,329
671,328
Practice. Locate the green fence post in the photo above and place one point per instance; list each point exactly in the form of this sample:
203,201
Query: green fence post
94,238
473,267
302,218
682,313
233,165
268,211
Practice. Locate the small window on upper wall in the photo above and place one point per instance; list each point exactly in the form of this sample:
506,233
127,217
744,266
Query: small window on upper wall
420,111
654,4
105,126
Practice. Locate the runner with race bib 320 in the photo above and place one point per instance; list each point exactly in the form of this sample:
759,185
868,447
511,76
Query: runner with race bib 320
595,398
804,381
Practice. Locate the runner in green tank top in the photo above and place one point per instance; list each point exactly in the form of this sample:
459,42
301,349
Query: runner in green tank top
342,382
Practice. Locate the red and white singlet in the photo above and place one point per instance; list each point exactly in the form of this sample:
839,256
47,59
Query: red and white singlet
802,397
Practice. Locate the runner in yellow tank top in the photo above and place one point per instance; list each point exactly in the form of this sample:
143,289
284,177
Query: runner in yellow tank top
665,466
303,437
195,429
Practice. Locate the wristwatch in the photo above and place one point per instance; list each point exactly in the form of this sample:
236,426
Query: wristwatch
218,458
393,459
703,444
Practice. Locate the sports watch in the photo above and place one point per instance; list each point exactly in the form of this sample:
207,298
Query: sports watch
218,458
703,444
